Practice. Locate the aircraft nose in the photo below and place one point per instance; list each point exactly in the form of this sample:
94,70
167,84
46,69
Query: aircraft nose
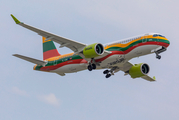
168,42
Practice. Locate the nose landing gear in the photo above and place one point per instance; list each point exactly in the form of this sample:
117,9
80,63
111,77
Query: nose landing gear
158,56
160,51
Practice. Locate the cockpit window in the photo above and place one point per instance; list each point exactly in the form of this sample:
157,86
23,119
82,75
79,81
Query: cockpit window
155,35
162,36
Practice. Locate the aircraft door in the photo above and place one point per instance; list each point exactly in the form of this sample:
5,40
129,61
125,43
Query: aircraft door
144,39
55,62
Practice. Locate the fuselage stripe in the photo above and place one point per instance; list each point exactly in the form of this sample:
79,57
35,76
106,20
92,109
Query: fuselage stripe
115,49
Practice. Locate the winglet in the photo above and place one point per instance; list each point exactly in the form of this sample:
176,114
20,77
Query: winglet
15,19
154,78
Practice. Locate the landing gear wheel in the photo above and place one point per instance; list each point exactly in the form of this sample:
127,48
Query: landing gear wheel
93,66
106,72
90,68
108,75
158,57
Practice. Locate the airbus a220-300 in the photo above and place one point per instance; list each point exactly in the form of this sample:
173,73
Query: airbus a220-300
111,57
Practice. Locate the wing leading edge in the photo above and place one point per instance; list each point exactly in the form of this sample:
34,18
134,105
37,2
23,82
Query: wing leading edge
77,47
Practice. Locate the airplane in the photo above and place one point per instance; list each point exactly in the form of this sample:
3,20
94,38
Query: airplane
112,57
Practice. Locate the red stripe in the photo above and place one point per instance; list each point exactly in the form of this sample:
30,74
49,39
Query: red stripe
77,61
131,48
50,53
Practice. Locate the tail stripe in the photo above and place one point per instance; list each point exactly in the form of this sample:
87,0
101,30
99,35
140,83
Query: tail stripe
49,49
48,46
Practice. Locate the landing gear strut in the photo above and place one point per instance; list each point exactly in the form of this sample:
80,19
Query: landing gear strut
158,56
160,51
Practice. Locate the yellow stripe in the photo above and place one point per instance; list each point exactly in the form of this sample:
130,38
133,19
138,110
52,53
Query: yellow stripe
59,57
120,44
112,45
35,67
127,44
43,39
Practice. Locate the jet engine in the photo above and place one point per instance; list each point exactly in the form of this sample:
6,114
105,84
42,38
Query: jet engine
139,70
93,50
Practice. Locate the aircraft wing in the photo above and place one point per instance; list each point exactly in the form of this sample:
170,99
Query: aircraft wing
73,45
32,60
128,65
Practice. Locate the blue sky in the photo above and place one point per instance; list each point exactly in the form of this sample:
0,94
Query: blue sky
28,94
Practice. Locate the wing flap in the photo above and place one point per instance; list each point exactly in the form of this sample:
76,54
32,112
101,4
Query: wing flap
126,66
146,77
32,60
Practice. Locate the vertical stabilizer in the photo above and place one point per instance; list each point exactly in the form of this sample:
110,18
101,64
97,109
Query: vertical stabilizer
49,49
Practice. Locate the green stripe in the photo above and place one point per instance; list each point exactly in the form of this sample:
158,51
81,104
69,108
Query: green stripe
74,57
50,63
123,48
164,41
134,43
48,46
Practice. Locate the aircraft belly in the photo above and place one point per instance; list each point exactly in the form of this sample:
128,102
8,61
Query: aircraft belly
111,61
140,51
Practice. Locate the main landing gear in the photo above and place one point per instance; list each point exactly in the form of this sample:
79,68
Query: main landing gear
91,67
109,72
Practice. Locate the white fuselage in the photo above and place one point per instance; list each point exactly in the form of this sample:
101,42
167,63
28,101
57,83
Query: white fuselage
112,61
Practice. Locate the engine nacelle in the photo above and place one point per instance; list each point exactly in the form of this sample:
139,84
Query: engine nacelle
139,70
93,50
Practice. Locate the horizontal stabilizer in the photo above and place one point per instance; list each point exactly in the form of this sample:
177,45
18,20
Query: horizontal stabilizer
146,77
32,60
